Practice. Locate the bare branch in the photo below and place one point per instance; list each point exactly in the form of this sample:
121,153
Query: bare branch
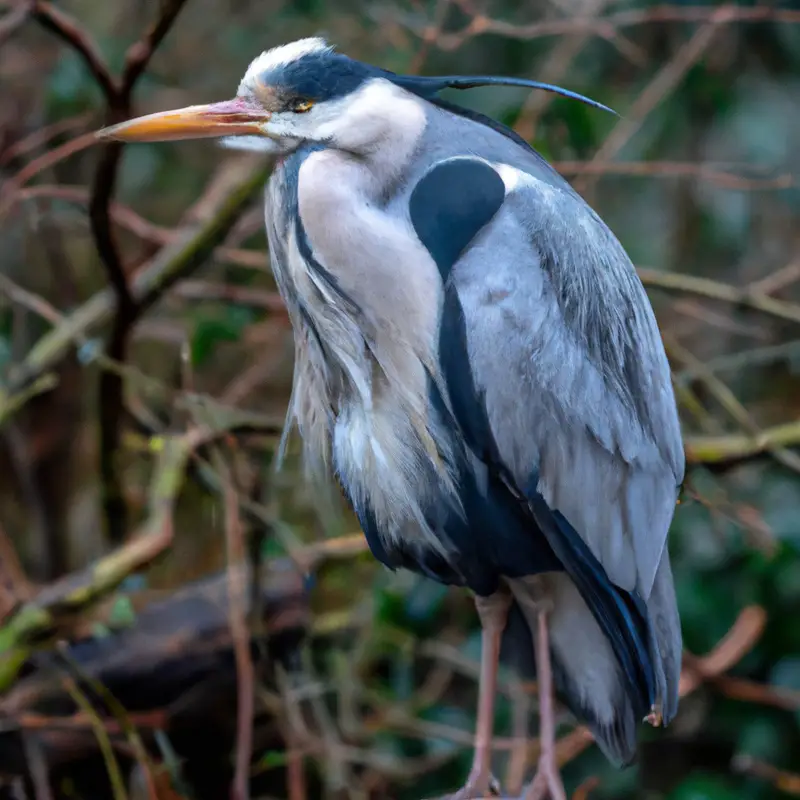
237,605
715,290
208,223
14,19
606,26
676,169
664,82
70,31
118,100
42,136
139,54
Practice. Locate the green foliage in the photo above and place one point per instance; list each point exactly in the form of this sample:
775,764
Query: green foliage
225,326
705,787
70,88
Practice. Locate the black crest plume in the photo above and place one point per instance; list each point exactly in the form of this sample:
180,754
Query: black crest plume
429,87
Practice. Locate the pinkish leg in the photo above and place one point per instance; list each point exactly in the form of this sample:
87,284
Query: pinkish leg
493,613
548,779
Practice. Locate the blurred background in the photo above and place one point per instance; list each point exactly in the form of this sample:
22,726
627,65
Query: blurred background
151,561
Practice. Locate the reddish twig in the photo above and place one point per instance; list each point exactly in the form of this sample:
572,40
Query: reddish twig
752,692
662,84
785,782
586,788
675,169
31,720
42,136
608,26
127,218
245,676
70,31
430,35
777,280
241,295
14,19
14,585
10,190
139,54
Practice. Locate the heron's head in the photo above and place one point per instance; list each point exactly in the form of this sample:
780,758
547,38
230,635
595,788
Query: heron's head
299,92
304,92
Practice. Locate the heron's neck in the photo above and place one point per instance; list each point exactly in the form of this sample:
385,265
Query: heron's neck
375,138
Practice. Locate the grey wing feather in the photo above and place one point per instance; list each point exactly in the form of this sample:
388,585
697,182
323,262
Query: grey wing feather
592,411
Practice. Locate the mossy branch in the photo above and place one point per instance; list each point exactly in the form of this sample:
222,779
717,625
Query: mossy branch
733,447
715,290
47,612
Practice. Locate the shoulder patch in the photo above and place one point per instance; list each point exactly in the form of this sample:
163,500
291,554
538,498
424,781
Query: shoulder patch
450,205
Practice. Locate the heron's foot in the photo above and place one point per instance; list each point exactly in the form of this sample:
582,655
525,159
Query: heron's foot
479,785
546,783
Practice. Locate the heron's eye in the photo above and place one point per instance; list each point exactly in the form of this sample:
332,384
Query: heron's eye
301,106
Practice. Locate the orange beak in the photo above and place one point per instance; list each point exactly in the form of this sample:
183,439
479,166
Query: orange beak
228,118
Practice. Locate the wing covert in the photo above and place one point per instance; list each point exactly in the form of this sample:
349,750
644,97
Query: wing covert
546,318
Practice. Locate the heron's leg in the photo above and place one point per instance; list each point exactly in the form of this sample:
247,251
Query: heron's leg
493,613
547,780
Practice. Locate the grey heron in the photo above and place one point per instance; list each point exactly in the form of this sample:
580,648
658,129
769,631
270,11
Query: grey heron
478,364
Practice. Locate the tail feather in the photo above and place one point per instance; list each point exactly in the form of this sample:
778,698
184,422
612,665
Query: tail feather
621,615
666,643
616,740
587,675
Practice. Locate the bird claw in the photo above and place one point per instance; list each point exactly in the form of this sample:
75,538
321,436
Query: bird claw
478,786
655,717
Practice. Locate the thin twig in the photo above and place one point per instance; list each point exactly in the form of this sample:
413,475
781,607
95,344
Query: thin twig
786,782
111,389
723,394
207,225
777,280
735,362
245,675
14,19
37,766
715,290
735,447
606,26
123,719
103,739
10,193
676,169
586,788
661,85
128,219
72,33
42,136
